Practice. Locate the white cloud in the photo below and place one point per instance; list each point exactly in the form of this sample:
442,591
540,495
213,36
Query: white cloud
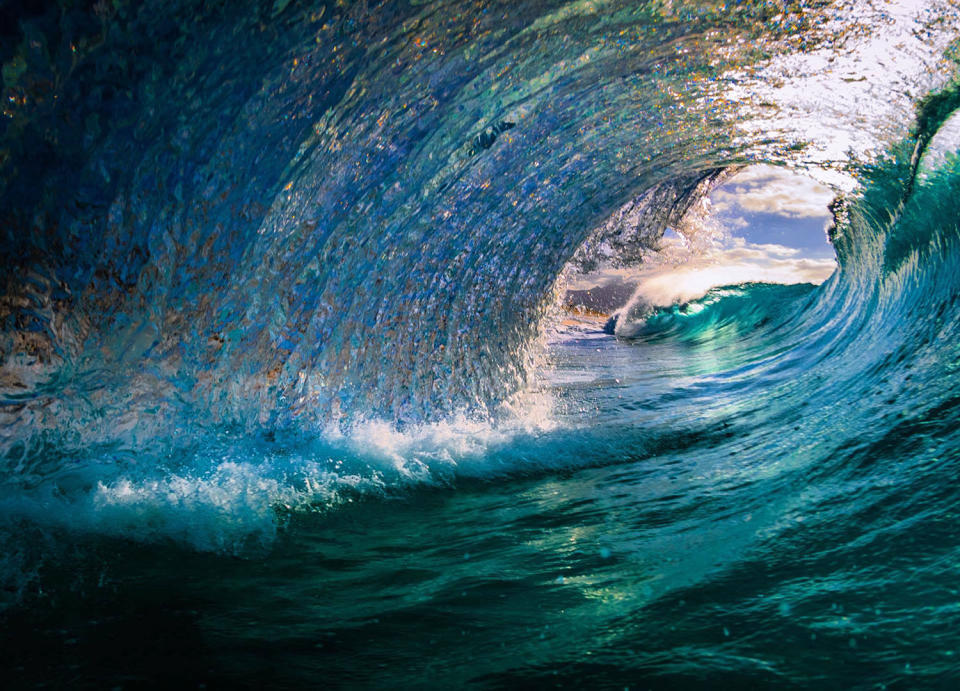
771,190
737,223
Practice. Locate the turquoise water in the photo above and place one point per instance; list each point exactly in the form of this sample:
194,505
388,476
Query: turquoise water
286,401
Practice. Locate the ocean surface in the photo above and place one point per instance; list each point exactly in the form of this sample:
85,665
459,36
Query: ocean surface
288,397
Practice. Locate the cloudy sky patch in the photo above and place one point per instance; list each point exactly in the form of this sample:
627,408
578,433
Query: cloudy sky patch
764,189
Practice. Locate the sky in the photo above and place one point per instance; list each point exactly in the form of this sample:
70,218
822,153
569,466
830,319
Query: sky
768,205
766,224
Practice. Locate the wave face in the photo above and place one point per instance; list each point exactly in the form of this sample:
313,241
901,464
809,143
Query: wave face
725,313
282,395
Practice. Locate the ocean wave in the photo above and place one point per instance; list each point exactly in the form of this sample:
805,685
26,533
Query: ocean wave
264,262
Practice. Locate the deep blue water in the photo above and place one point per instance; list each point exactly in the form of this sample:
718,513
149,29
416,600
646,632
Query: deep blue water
286,402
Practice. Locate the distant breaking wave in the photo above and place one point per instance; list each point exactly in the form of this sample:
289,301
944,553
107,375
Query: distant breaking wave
738,309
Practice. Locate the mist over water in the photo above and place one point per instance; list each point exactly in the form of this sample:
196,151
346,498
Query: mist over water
288,397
